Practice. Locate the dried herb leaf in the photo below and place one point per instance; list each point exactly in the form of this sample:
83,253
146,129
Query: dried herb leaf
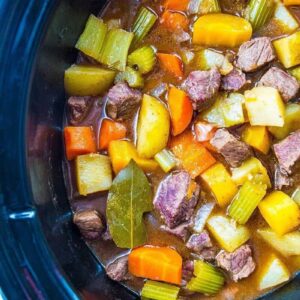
130,196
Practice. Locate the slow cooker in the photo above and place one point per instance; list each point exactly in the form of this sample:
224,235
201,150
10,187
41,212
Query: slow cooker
42,253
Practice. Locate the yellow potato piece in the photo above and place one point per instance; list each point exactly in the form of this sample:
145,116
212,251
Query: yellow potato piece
93,172
218,180
221,30
88,80
153,127
257,137
288,50
265,107
280,212
227,233
291,2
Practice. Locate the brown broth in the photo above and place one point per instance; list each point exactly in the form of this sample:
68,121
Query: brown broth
106,251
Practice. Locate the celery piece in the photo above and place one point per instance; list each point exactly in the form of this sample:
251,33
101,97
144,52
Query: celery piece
203,7
232,108
159,291
296,195
115,49
206,59
143,24
208,280
285,19
143,59
246,201
132,77
296,73
91,40
249,170
291,122
166,160
259,12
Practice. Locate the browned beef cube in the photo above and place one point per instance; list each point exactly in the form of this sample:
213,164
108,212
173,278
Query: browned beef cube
122,101
198,242
172,198
288,151
239,263
181,231
233,81
202,86
233,150
281,178
286,84
255,54
118,269
187,271
78,108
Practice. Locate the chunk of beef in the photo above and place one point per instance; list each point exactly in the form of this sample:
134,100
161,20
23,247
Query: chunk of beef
122,101
239,263
255,54
202,86
78,108
281,178
187,271
172,199
233,150
106,236
118,269
208,253
198,242
89,223
286,84
181,231
288,151
233,81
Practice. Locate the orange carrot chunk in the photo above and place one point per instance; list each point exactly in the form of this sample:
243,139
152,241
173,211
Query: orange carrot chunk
193,156
181,110
174,21
177,4
204,131
156,263
110,131
171,63
79,141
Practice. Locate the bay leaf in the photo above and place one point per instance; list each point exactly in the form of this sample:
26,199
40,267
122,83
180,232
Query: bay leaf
130,196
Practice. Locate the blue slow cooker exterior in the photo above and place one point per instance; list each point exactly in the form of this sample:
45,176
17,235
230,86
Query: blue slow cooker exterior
41,254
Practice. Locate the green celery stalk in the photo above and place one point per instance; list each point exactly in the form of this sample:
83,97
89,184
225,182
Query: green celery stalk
233,109
204,7
166,160
259,12
208,279
115,49
143,24
91,40
246,201
132,77
159,291
296,195
143,59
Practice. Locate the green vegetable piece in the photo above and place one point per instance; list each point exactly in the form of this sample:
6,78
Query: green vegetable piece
203,7
166,160
232,108
91,40
246,201
296,195
291,122
115,49
143,24
296,73
159,291
143,59
208,280
129,197
259,12
132,77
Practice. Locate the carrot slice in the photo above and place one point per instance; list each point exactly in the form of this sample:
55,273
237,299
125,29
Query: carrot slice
171,63
177,4
79,141
156,263
204,131
110,131
174,21
193,156
181,110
